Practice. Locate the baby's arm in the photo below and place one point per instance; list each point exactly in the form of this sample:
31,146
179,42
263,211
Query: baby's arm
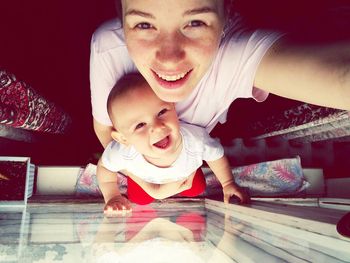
222,170
108,183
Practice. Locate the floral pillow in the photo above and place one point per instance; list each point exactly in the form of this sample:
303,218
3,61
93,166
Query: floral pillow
87,184
282,177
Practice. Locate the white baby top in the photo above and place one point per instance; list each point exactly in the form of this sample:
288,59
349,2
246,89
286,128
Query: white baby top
230,76
197,146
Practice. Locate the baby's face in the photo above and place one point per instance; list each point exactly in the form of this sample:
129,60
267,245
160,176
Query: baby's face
148,123
174,42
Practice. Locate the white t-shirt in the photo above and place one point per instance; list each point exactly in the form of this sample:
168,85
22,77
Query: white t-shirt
197,146
230,76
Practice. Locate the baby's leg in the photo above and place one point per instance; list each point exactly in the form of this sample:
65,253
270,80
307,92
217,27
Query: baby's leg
136,194
198,185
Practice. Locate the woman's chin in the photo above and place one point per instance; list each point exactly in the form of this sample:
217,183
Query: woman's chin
173,95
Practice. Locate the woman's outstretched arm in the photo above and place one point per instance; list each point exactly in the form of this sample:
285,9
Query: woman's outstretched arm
316,72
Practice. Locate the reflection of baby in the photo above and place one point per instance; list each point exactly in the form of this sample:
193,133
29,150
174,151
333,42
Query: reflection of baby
160,156
155,250
152,239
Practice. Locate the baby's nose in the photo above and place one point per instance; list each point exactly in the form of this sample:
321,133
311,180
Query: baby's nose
160,127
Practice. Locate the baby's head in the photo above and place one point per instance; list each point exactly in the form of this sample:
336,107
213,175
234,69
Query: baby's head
141,119
125,88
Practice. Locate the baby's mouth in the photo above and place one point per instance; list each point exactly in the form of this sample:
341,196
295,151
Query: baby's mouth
163,144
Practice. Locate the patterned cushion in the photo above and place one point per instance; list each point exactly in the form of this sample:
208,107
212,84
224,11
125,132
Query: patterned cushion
282,177
87,184
22,107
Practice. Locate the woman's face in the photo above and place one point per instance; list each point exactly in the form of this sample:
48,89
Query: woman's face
173,42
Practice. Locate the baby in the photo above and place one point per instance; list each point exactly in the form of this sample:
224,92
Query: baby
160,156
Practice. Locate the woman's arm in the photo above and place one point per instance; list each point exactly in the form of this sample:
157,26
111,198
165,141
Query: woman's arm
316,72
103,133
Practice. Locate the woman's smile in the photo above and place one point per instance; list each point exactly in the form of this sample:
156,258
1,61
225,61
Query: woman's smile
172,81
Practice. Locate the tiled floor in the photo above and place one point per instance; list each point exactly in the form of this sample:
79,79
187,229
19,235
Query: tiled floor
187,231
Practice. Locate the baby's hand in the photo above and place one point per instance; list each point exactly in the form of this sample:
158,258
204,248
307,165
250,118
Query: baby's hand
116,206
233,189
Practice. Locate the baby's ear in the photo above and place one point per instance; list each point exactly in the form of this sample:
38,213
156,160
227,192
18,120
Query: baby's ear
119,137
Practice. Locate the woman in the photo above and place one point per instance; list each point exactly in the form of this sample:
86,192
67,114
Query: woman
195,53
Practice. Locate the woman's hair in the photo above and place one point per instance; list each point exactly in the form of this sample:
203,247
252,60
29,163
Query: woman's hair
118,7
228,7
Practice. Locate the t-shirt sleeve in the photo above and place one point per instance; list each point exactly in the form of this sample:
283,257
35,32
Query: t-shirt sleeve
241,55
199,143
109,60
230,76
111,157
99,86
213,149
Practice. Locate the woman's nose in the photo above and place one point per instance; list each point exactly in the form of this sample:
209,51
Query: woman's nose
171,48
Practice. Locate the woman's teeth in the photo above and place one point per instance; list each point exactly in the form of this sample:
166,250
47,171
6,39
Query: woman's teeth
172,78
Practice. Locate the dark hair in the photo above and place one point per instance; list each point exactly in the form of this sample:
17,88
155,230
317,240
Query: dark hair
228,8
119,8
126,83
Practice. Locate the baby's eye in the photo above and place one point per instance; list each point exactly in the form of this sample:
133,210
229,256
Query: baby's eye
143,26
196,23
140,125
163,111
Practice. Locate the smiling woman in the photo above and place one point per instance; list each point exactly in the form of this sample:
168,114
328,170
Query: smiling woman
189,50
179,47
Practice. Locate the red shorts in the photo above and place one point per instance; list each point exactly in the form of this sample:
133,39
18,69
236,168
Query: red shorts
137,195
140,217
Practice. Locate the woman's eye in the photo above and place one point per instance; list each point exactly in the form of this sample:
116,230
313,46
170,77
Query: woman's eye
196,23
143,26
163,111
140,125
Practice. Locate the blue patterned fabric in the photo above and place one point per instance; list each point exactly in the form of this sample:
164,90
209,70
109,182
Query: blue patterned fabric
283,177
280,177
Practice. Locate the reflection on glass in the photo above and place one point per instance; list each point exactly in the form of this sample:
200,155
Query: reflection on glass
174,237
177,232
